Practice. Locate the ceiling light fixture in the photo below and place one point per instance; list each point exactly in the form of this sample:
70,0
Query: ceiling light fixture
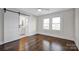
39,9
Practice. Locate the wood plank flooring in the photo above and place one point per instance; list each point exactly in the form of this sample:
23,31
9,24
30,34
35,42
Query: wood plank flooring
23,44
47,43
10,46
40,42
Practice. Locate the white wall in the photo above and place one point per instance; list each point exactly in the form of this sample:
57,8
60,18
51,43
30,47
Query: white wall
77,27
67,24
1,27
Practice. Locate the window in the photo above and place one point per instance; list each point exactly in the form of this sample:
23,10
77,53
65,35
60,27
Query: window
23,26
46,23
23,20
56,23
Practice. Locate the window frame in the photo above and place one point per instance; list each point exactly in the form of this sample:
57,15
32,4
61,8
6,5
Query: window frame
56,24
23,20
46,23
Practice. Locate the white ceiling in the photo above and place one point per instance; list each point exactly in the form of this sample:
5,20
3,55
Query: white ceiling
34,11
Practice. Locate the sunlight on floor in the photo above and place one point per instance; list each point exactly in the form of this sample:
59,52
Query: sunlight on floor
56,47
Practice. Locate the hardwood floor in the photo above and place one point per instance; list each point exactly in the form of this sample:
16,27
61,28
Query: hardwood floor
1,47
41,42
10,46
47,43
23,44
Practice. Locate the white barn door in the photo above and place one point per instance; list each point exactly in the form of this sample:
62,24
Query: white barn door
11,22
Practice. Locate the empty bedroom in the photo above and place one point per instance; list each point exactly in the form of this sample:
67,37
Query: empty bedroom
39,29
